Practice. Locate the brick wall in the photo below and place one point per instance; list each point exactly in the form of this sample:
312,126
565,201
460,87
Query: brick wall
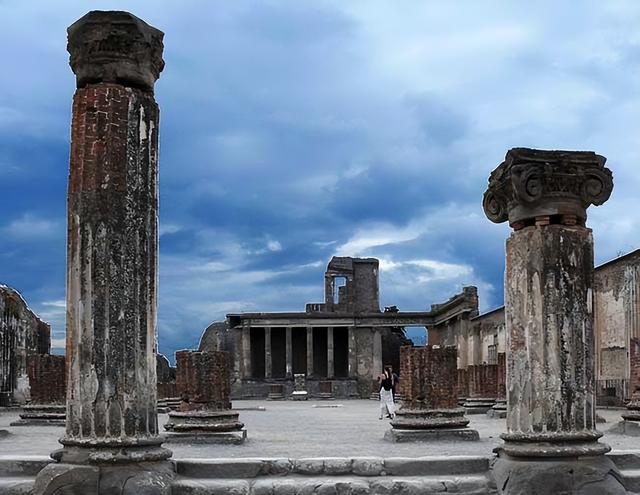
47,379
202,380
463,383
429,377
483,380
634,367
502,376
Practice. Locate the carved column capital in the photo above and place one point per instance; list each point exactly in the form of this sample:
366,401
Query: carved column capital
115,47
530,184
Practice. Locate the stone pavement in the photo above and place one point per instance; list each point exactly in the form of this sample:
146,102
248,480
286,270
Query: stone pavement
292,429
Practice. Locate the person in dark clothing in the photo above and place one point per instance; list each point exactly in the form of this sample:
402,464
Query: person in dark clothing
386,382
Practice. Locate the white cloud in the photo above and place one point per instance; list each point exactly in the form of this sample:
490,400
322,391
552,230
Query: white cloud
32,227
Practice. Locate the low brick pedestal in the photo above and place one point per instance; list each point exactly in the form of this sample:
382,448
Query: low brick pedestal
47,382
430,410
205,414
276,392
325,390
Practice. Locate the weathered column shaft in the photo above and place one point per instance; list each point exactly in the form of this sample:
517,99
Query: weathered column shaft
330,358
288,353
377,353
353,353
267,353
549,278
309,351
112,264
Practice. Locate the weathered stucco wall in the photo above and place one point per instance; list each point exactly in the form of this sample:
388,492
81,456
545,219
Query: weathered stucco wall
616,322
22,333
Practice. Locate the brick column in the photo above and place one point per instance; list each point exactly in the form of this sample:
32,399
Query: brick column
549,320
246,350
353,353
204,414
430,407
48,388
112,241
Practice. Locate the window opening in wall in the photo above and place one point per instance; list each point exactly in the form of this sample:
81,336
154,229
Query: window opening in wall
338,282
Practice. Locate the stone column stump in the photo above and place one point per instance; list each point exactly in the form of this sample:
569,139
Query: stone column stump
430,410
48,385
299,387
551,440
205,414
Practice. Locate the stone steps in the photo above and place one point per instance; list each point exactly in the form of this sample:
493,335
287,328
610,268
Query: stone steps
629,465
455,474
17,474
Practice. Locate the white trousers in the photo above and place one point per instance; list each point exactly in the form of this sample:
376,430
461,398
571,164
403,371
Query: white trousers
386,402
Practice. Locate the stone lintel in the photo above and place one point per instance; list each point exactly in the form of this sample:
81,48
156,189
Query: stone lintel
541,187
115,47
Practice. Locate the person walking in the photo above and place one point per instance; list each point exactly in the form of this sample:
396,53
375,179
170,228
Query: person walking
386,382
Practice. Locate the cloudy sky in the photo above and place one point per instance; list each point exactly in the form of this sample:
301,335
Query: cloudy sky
295,130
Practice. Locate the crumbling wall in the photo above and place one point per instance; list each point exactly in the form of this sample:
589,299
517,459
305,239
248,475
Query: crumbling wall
22,333
166,378
202,379
616,324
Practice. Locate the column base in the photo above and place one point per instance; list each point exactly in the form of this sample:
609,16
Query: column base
477,405
400,436
626,427
111,451
135,478
557,444
205,437
595,475
42,415
299,395
499,410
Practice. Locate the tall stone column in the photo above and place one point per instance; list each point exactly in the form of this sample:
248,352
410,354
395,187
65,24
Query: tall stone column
112,241
330,359
551,438
246,351
353,356
267,353
288,352
309,352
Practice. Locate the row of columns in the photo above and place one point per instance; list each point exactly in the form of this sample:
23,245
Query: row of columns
351,342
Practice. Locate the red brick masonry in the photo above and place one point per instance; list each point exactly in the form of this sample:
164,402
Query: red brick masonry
429,378
47,379
202,380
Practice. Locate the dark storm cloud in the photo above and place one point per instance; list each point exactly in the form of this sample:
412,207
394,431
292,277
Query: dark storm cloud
294,131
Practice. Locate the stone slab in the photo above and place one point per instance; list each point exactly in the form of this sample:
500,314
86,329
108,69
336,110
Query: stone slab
38,422
395,435
496,413
222,437
630,428
478,409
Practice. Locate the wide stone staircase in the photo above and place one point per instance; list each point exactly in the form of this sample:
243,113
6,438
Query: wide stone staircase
463,475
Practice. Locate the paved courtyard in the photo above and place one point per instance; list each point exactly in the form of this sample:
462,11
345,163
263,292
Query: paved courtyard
306,429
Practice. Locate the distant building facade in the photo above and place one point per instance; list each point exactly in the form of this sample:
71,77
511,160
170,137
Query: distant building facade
340,345
22,333
481,340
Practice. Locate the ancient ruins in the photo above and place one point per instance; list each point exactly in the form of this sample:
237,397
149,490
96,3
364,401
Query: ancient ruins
566,340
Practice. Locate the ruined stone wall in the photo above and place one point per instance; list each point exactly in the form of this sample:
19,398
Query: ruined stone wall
166,378
501,376
463,382
47,379
22,334
429,377
616,323
366,286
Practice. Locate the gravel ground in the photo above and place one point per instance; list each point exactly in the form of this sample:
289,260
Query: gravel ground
307,429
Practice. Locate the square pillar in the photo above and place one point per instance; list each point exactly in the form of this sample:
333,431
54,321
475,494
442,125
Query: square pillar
289,354
309,351
330,360
246,350
267,352
353,353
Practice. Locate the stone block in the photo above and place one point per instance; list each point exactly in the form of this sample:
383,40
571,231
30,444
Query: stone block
203,437
399,436
337,465
368,466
